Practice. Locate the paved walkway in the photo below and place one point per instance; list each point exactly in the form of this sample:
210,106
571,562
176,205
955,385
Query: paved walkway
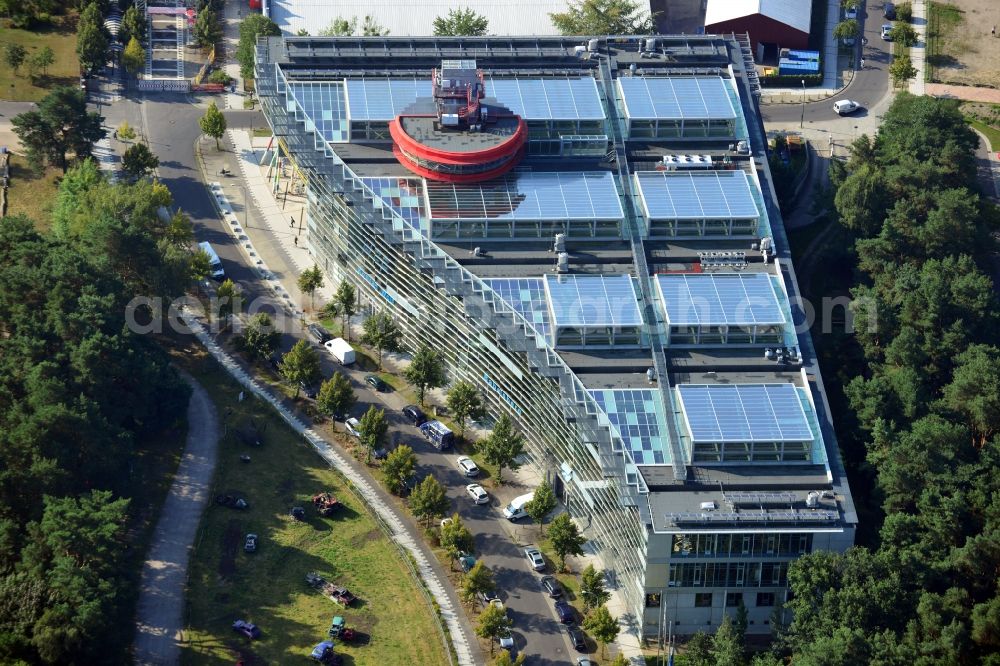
397,529
967,93
918,51
232,16
160,610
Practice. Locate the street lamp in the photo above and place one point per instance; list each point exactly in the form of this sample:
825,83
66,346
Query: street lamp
802,118
246,211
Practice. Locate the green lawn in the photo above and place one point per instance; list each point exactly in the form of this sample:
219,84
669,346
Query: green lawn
32,194
268,587
61,37
992,133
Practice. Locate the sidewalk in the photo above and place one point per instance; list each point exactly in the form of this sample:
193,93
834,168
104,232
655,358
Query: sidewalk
967,93
918,50
232,16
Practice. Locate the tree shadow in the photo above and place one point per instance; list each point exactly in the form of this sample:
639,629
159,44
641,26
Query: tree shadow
944,60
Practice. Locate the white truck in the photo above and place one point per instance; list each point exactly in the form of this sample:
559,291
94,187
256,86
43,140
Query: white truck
214,263
341,350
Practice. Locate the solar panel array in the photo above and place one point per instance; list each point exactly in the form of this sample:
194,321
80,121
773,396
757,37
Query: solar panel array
744,413
323,104
703,195
382,99
592,301
720,299
549,99
637,415
678,98
534,195
526,296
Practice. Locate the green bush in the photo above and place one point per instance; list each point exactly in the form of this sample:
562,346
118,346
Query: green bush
219,76
904,12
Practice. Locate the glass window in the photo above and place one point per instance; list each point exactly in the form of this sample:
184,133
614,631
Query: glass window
652,600
733,599
765,598
703,600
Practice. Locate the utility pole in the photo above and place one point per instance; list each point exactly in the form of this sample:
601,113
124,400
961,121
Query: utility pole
802,118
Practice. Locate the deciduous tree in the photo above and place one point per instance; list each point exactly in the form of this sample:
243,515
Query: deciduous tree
901,69
456,538
727,644
91,39
503,446
398,467
465,404
14,55
592,588
478,581
253,26
309,281
428,500
133,26
565,538
207,31
346,299
493,623
42,59
604,17
260,337
139,161
336,396
134,57
213,123
602,626
340,27
461,22
300,365
371,430
381,332
541,504
425,371
846,30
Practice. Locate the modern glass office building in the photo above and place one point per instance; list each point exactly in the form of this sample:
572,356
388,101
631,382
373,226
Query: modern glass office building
622,288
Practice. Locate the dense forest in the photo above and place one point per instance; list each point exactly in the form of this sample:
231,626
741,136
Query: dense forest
79,395
925,397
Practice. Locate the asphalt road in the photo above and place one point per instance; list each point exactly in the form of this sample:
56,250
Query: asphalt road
868,86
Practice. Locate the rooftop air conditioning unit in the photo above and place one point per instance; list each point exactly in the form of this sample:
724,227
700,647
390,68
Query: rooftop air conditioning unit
812,499
562,263
708,506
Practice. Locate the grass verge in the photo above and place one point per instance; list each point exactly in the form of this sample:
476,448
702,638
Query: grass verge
991,133
30,193
268,587
60,36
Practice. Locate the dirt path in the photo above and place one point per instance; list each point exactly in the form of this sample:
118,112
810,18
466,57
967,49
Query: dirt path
160,611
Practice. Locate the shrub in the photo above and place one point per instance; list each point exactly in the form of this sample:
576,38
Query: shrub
219,76
904,12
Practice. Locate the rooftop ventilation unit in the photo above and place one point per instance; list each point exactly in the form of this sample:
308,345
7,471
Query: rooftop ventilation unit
562,263
560,245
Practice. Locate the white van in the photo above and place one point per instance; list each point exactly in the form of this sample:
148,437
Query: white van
214,263
515,510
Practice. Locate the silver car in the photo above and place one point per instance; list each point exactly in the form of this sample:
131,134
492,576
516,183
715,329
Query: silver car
535,558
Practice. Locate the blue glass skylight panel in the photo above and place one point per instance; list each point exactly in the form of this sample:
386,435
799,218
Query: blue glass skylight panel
705,195
591,301
720,299
405,196
383,99
638,417
676,98
323,105
527,297
744,413
534,195
549,99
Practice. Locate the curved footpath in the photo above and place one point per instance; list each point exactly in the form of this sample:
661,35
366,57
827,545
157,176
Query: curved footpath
427,568
160,609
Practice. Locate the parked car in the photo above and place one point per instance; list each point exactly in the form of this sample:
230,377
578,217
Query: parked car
466,561
319,333
496,603
887,32
352,425
552,587
851,13
476,492
565,612
889,11
248,629
578,640
535,558
309,390
506,640
250,543
415,414
845,106
376,383
585,661
467,465
297,513
488,597
323,653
